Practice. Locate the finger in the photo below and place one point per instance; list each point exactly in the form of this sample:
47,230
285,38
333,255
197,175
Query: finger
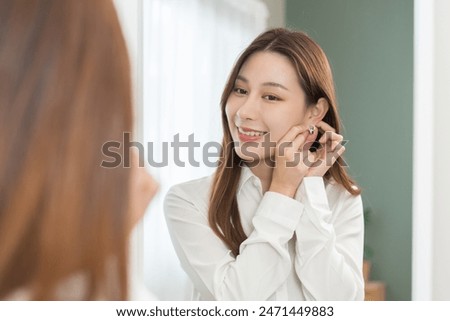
300,140
335,154
340,149
333,145
312,157
325,127
292,134
330,145
314,161
324,162
336,149
332,136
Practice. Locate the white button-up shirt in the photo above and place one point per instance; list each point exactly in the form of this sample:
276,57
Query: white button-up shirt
307,248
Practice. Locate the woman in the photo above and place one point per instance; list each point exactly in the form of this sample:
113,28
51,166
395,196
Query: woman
65,91
280,219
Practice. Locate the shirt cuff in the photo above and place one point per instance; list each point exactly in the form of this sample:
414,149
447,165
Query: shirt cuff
312,193
283,210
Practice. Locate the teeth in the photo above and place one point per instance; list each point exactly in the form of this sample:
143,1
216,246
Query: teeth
251,133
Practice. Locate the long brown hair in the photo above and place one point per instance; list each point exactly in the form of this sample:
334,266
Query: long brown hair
316,80
65,91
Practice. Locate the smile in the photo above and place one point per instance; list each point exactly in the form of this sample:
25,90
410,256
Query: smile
251,132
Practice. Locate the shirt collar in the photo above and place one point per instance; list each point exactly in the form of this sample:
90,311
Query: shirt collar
246,175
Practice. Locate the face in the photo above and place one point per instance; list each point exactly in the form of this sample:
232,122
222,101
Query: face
266,102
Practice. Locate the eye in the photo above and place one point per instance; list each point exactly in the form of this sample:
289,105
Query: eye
271,98
240,91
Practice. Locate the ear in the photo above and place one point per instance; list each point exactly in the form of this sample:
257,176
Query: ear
318,111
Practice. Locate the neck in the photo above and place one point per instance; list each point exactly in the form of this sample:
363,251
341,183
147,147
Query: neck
263,170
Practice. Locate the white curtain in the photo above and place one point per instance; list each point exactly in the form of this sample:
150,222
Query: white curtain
189,47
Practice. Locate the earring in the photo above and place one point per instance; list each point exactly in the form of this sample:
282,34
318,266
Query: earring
311,129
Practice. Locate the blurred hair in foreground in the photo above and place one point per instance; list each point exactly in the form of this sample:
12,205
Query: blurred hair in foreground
64,91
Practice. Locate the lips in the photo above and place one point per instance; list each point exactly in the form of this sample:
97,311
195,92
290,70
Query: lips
250,131
249,134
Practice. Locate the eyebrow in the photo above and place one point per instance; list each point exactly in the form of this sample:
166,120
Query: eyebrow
269,83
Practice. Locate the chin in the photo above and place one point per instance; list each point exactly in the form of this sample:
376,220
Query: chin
251,155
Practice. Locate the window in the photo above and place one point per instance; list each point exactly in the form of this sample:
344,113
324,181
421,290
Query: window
182,57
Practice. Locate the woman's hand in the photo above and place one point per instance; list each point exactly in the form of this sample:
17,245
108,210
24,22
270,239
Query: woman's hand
290,165
330,150
294,161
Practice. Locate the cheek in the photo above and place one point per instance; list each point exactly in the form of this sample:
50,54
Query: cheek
230,112
281,122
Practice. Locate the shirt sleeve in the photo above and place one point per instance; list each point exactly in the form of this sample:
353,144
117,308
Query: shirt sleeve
329,247
263,264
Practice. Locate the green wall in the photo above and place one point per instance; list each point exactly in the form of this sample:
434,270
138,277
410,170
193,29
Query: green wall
370,47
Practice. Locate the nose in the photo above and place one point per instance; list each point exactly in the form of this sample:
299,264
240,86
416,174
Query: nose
249,109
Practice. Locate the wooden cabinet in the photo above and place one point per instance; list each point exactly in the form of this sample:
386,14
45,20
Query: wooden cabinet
374,290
